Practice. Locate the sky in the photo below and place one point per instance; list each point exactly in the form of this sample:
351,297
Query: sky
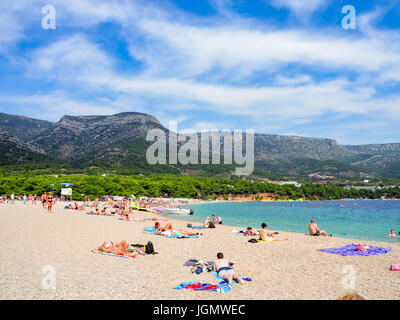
275,66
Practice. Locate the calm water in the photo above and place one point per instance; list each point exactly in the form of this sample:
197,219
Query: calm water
356,219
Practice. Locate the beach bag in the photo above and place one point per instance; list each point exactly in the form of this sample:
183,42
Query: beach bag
148,248
189,225
211,225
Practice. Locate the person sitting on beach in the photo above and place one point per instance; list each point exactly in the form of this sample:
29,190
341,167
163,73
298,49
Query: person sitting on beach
224,270
206,222
214,219
392,234
219,219
315,231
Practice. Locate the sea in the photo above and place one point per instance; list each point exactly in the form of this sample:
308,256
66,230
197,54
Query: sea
354,219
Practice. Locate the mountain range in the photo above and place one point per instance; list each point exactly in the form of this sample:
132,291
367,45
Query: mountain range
117,142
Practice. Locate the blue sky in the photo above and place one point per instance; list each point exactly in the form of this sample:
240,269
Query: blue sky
275,66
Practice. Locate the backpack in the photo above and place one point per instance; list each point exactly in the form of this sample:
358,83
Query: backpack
211,225
148,248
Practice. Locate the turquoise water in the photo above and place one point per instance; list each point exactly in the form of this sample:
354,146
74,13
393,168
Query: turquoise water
355,219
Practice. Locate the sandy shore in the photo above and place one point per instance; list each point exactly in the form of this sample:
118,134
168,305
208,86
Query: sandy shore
293,269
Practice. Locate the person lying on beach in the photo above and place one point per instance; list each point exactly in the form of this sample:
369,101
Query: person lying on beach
266,235
392,234
224,270
315,231
120,249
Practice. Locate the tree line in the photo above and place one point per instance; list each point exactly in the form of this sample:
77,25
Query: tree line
181,187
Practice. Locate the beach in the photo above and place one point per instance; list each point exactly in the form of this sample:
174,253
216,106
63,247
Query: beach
33,238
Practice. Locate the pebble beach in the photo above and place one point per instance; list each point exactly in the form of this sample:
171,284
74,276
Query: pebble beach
33,238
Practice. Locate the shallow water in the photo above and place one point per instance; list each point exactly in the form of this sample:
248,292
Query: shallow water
355,219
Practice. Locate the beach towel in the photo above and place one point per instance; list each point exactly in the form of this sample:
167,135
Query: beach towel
238,231
223,280
197,227
221,288
177,235
351,250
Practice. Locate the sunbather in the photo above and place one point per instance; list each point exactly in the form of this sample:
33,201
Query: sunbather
120,249
224,270
169,231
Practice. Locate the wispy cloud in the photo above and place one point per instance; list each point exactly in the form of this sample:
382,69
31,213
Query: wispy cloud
228,67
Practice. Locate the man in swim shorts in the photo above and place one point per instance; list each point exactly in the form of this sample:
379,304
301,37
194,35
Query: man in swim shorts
315,231
224,270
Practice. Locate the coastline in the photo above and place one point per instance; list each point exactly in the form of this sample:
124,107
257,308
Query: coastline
292,269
